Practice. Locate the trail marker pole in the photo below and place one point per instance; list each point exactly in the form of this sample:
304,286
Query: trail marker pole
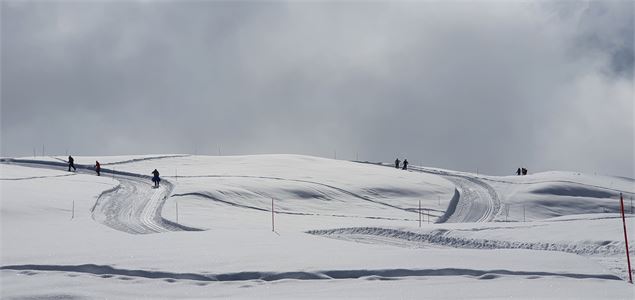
628,257
419,213
73,211
273,227
506,211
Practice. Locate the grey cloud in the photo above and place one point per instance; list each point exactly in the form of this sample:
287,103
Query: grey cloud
456,85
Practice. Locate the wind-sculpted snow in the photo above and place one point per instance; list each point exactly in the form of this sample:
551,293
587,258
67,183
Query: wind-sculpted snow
451,207
207,195
444,237
593,188
106,271
573,191
332,187
36,177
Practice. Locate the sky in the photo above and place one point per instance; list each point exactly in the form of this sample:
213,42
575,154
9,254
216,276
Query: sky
474,86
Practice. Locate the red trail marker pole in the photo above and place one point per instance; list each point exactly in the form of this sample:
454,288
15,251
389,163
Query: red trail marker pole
628,257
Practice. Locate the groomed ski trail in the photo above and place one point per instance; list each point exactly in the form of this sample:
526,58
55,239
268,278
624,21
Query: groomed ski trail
133,206
477,201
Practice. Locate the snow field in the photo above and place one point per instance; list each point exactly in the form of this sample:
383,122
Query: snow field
363,241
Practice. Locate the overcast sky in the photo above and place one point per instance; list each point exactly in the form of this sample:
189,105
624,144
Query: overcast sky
471,85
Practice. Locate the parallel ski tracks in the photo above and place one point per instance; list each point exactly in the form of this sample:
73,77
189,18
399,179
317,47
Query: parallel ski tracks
134,206
478,201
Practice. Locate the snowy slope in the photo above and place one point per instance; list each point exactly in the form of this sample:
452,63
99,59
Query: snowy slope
343,229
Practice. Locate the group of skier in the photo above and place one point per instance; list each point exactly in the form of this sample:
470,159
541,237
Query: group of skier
404,164
521,171
71,164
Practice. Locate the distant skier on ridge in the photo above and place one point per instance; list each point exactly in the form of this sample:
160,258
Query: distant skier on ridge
71,163
156,178
397,161
97,168
405,164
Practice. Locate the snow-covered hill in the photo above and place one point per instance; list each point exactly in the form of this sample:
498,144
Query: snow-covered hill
342,229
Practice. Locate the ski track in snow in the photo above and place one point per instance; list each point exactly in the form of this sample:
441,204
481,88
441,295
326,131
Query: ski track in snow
134,206
130,160
145,159
442,237
477,202
608,254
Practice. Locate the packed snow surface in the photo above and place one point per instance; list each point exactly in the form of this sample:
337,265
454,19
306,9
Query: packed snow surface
338,229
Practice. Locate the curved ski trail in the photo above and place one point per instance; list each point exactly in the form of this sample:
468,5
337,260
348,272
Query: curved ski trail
478,201
133,206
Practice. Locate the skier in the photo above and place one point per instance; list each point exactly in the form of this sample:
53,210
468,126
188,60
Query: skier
518,172
156,178
524,171
71,163
97,168
397,161
405,164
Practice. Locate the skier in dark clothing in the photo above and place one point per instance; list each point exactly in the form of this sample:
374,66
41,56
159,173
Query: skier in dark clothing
405,164
156,178
518,172
97,168
524,171
397,161
71,163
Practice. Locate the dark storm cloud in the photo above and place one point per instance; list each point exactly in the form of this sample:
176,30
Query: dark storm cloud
457,85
